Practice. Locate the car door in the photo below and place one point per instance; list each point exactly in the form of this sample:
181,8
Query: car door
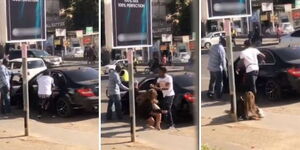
267,67
15,67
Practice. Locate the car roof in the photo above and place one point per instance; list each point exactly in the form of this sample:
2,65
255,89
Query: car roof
28,59
69,68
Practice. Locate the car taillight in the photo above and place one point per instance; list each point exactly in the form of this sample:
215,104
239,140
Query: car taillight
294,72
86,92
189,97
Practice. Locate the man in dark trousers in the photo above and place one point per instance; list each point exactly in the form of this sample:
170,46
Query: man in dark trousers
217,68
165,84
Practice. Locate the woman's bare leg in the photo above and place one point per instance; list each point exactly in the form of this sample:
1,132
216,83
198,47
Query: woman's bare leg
150,122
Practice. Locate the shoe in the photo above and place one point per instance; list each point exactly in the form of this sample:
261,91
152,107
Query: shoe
210,95
39,116
172,127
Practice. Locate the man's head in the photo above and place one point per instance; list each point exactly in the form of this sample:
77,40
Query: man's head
118,68
162,71
222,41
247,43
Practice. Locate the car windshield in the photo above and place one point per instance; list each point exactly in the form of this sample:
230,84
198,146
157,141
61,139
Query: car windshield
288,54
82,74
40,53
35,64
209,35
186,80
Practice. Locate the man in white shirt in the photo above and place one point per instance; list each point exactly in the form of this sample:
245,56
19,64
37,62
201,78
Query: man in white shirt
165,84
249,58
45,84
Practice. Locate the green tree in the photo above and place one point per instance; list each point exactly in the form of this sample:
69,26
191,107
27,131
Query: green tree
180,16
81,13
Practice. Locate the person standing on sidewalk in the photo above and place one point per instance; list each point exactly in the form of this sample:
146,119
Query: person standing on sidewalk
248,58
217,68
5,76
45,84
114,85
165,84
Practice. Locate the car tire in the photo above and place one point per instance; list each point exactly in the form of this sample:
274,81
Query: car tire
207,45
63,107
272,90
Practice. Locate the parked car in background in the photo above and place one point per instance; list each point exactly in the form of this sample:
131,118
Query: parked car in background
211,39
184,100
182,57
290,40
35,53
121,62
75,52
34,65
278,73
76,88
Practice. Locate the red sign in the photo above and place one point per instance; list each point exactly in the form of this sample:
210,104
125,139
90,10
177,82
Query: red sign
296,14
192,45
87,40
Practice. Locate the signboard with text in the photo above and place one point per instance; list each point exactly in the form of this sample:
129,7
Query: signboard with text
132,23
26,20
220,9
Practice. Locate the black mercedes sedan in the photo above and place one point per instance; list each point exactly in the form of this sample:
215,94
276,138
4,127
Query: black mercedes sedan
75,88
279,73
184,100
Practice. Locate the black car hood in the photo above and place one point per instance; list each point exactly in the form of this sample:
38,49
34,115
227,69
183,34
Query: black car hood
294,62
189,88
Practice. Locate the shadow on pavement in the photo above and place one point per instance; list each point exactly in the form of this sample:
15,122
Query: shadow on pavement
49,117
11,137
221,120
116,143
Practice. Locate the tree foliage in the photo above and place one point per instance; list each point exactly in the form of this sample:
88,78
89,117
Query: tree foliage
180,16
81,13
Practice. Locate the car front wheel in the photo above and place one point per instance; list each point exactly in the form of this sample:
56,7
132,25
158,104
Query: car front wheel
63,107
272,90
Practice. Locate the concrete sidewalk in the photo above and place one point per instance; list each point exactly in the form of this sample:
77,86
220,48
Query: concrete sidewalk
160,140
51,133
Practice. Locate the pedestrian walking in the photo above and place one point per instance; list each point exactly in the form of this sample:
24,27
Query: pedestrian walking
234,35
135,62
114,86
5,76
248,58
45,85
217,68
92,55
165,84
164,60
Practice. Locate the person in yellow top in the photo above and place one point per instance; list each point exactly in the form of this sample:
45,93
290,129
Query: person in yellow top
124,76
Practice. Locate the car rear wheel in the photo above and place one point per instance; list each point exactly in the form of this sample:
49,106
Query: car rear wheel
63,107
272,90
207,45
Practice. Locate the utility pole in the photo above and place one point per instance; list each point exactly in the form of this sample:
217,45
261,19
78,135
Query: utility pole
131,94
25,88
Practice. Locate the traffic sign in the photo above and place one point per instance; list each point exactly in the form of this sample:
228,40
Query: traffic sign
89,30
220,9
132,23
26,20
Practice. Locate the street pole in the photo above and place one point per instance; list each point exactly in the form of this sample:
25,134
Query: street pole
131,93
231,69
25,88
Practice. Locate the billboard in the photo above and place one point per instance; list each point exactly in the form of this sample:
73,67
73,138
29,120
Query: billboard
132,23
220,9
26,20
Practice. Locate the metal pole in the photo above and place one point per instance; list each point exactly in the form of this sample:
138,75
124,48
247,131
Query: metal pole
231,70
131,93
25,88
